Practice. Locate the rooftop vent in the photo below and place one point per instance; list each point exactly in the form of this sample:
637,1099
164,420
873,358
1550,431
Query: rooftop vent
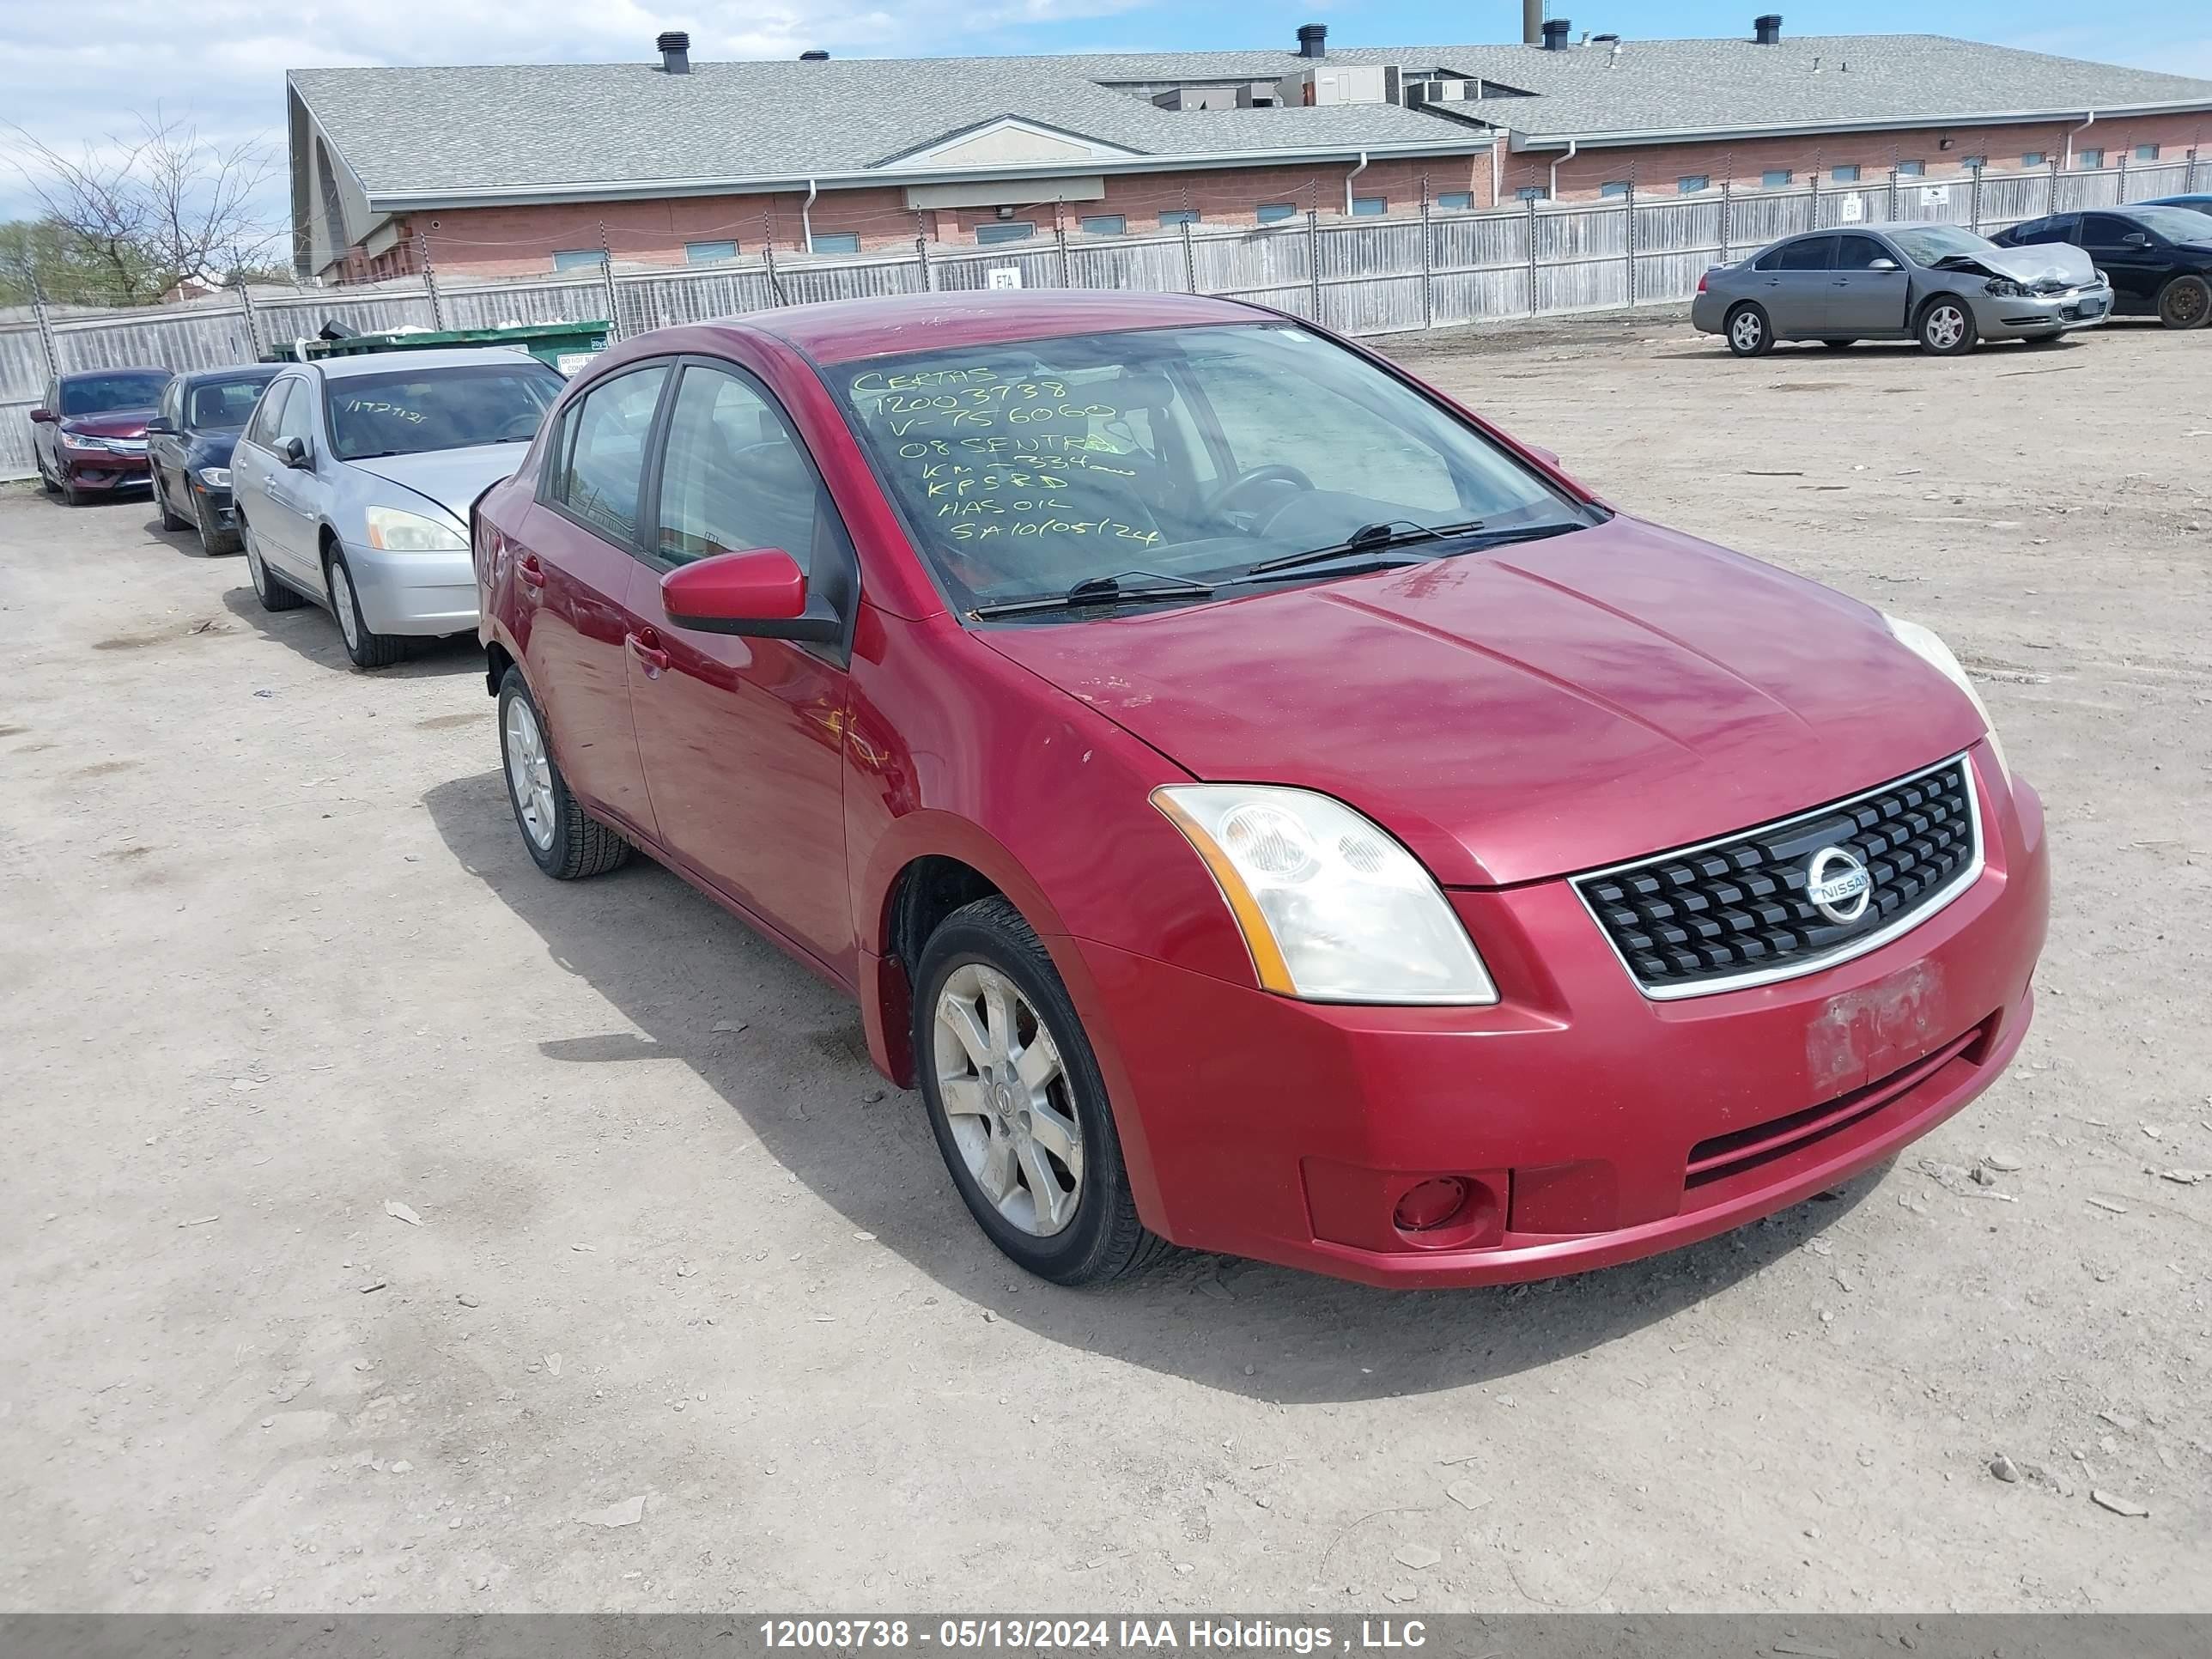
1313,40
1556,30
815,56
675,52
1532,22
1767,30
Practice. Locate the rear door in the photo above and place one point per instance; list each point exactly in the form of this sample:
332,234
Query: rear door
1792,283
2138,269
582,538
1862,301
743,738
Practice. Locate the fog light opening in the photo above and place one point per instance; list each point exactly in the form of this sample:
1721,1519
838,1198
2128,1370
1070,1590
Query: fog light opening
1431,1204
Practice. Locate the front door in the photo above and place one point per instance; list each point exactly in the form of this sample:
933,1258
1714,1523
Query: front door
165,450
743,738
1862,299
581,539
2138,269
287,520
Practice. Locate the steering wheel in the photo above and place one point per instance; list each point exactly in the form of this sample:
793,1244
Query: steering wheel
1275,472
521,426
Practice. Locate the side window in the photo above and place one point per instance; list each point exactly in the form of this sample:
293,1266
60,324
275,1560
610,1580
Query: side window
1770,260
262,431
173,403
599,479
1810,254
297,418
1859,252
2104,230
734,476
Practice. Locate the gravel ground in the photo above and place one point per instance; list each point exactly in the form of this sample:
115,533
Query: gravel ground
692,1319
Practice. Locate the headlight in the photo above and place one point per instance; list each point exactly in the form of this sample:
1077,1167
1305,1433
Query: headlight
2003,287
80,440
215,478
396,531
1331,907
1925,644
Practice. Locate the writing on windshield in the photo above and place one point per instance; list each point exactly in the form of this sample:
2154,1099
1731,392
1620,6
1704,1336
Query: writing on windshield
410,412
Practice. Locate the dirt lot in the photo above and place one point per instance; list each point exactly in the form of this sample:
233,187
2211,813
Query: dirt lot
274,957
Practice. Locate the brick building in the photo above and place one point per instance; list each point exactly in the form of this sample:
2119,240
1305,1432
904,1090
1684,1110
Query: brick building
503,170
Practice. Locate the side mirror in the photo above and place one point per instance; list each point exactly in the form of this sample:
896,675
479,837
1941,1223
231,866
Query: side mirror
760,592
1881,264
2134,239
42,418
293,451
157,426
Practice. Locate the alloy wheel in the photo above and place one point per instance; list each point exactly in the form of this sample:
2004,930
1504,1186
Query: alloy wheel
1005,1091
1945,327
1745,331
254,565
529,772
342,602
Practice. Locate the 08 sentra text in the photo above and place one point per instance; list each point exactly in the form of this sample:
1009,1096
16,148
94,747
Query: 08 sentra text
1102,1635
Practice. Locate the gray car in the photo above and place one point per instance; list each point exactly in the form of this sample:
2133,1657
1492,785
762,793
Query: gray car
1936,283
353,480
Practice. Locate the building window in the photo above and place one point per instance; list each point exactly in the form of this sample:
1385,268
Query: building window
707,253
1370,207
1843,175
1005,230
2146,152
1175,216
1911,169
575,258
1531,193
1104,224
1973,163
2035,158
1776,178
2089,161
1457,201
1614,187
837,242
1691,183
1273,213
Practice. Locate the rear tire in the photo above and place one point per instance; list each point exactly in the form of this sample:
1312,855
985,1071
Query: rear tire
1748,333
565,841
367,649
171,519
268,587
2185,302
1946,327
1030,1108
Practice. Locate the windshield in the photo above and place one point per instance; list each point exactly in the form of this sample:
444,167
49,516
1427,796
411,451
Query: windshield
99,394
1186,455
1925,244
2175,224
407,411
224,402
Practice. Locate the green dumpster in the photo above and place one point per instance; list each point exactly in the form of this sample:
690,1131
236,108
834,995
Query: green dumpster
565,346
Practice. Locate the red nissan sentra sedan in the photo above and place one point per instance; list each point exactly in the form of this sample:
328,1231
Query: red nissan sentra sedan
1261,805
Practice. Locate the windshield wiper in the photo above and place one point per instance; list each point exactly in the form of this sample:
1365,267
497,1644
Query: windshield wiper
1368,538
1096,591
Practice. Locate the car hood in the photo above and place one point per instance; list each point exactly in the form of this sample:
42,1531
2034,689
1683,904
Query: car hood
110,423
1519,715
2040,262
453,478
212,446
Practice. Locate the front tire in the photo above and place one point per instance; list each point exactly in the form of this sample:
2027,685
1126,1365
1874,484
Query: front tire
564,841
171,519
1749,332
2185,302
1018,1104
269,587
214,539
1947,327
367,648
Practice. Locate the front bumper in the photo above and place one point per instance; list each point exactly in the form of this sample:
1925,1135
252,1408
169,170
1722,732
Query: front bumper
414,593
104,471
2041,315
1592,1126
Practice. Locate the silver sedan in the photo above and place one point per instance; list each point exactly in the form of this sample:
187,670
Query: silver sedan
1936,283
354,478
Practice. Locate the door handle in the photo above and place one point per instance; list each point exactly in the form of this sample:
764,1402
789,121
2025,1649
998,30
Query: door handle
531,572
645,645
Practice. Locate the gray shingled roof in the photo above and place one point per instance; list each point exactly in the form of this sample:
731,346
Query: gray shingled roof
421,132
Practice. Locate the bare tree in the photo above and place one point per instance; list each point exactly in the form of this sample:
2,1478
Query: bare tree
150,211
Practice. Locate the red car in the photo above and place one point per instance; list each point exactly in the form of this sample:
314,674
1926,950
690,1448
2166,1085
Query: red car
88,436
1261,806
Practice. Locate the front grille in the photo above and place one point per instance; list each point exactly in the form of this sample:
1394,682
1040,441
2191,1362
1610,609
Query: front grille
1741,910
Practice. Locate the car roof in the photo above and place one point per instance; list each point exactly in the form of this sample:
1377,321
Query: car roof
101,373
235,372
384,363
845,331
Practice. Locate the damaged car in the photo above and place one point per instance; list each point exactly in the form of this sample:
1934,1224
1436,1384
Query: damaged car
2158,257
1940,285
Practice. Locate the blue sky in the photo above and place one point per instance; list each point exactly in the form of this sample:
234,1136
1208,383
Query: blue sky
75,73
